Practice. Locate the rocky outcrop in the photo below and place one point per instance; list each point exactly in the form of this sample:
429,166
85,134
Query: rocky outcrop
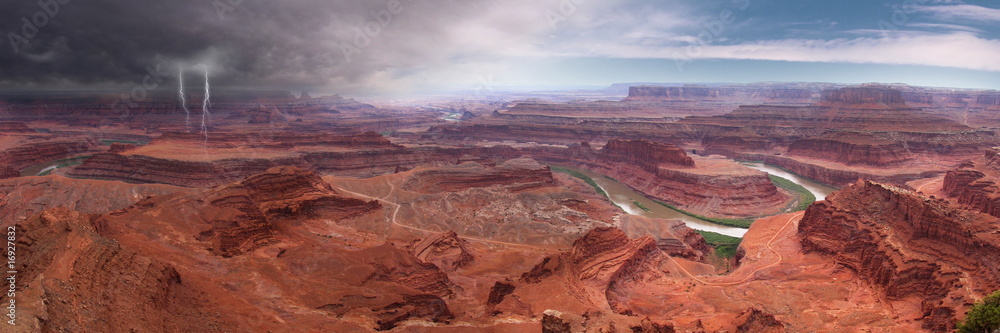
237,218
874,94
645,153
831,176
607,260
69,276
757,321
972,184
909,246
282,192
445,250
678,93
14,127
715,187
737,140
118,147
281,139
515,174
870,108
498,292
7,171
137,168
141,169
852,151
603,252
32,153
673,237
988,99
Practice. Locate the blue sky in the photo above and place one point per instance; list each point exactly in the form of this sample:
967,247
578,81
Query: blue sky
944,43
390,47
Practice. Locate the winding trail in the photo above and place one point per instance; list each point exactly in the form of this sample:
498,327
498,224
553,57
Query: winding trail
920,189
395,212
793,218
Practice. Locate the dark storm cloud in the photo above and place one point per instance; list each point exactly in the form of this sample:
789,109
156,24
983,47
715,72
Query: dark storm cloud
246,43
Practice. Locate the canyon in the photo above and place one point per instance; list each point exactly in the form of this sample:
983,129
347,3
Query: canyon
457,214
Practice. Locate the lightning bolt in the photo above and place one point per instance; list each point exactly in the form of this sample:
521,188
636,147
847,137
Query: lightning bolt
180,92
205,114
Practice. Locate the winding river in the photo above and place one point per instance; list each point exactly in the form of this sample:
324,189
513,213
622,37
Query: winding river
817,189
626,197
39,169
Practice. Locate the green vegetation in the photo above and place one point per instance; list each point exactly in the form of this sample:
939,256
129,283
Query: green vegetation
805,198
747,163
739,223
587,180
982,317
615,180
108,142
725,246
641,206
65,163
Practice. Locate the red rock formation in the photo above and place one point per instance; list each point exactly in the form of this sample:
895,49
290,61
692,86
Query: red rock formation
369,140
659,92
283,192
516,174
988,99
14,127
831,176
445,250
646,153
910,246
118,147
737,140
238,218
974,184
498,292
757,321
7,171
877,95
852,149
32,153
673,237
140,169
609,261
72,279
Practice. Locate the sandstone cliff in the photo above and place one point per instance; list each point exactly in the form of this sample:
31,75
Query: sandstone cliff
516,174
283,192
909,246
646,153
852,150
36,152
974,184
69,276
871,95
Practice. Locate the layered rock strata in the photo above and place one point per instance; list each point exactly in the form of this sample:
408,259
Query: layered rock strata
910,247
516,174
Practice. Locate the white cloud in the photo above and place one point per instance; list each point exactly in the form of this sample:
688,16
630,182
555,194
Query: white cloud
945,26
960,12
958,50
